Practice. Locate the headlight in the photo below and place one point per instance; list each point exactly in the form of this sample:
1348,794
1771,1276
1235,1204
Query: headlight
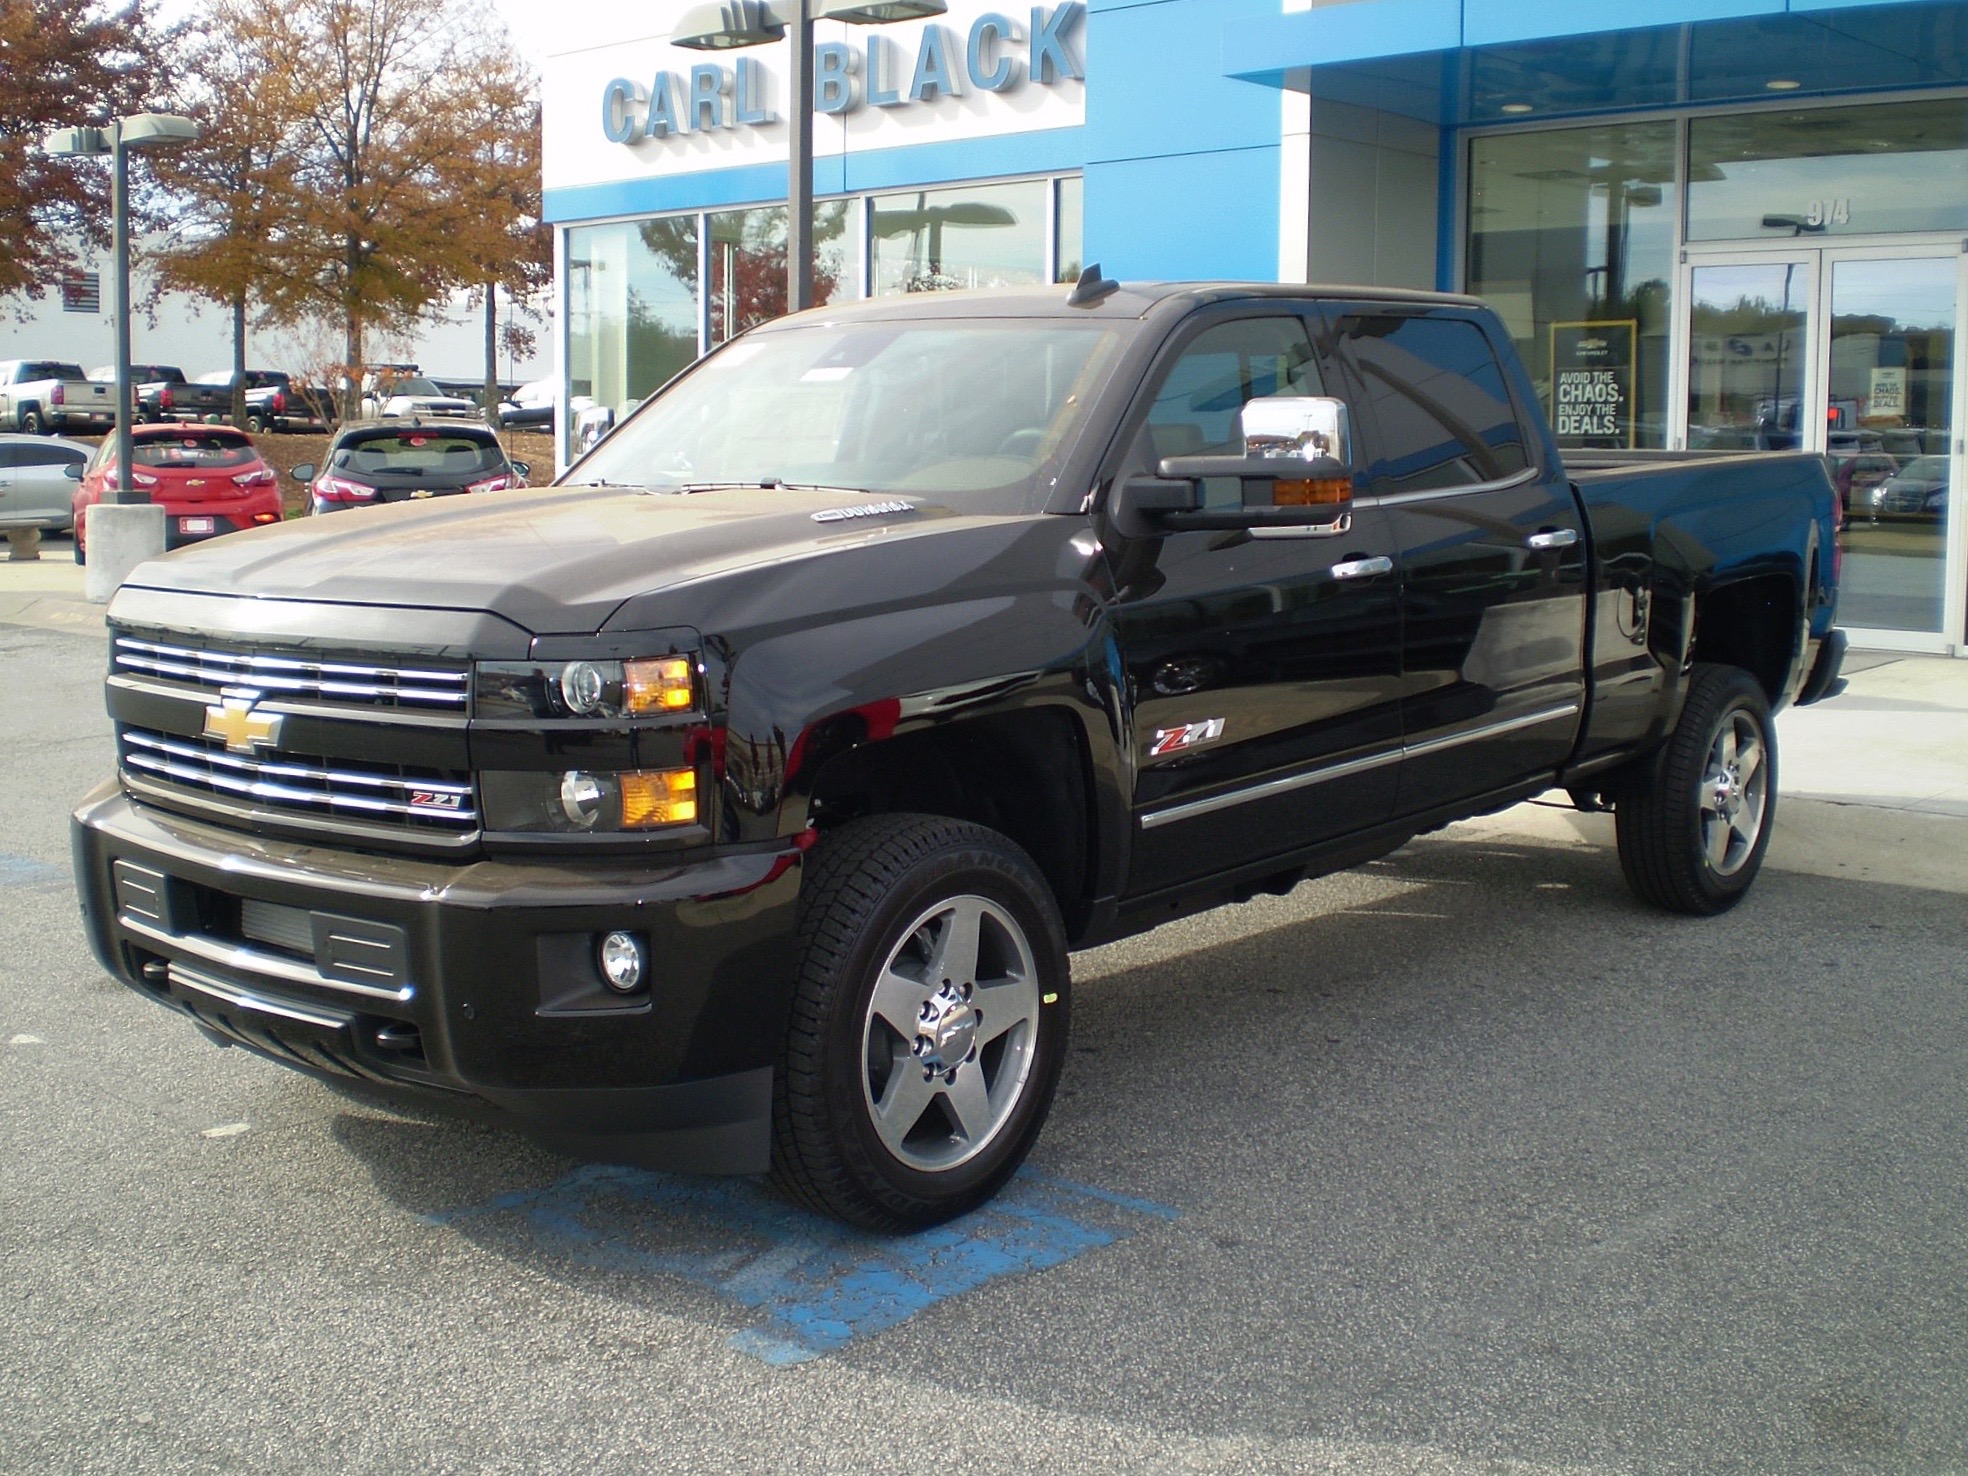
586,689
577,802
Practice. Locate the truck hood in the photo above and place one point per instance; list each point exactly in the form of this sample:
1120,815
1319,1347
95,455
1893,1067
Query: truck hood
554,560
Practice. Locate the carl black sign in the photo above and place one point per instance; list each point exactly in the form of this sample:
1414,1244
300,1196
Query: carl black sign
1592,383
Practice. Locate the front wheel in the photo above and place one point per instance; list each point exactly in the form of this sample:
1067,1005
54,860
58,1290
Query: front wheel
1694,841
928,1024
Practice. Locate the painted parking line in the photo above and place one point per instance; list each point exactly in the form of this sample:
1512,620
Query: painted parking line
818,1284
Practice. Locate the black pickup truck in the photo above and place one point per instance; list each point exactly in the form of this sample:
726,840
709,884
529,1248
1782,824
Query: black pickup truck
735,803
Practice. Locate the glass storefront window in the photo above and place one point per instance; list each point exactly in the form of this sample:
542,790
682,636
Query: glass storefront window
748,263
1571,239
631,310
973,236
1829,172
1072,228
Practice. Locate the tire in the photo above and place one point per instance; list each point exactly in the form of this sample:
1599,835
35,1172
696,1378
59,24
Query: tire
256,425
33,423
1694,841
80,556
902,1100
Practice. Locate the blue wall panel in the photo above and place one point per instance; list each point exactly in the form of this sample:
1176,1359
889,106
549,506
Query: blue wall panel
1184,217
1181,161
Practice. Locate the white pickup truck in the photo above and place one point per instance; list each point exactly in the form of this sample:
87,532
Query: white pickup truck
41,396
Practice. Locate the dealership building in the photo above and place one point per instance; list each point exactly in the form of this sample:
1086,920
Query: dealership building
1708,224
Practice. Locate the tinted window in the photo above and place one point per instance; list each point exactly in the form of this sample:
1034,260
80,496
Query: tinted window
1194,411
201,449
42,456
1437,400
49,369
417,453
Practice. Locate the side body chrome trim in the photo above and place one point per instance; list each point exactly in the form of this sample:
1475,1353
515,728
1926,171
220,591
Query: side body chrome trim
1271,787
253,961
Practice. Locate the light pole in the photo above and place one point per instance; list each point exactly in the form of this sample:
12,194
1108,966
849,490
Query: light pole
735,23
139,131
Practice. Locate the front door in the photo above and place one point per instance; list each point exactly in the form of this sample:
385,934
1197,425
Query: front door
1846,351
1265,670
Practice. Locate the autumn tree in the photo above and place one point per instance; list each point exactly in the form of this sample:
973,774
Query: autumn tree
394,106
63,63
510,244
232,200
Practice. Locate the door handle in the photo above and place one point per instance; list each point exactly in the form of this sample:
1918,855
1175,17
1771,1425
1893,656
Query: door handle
1363,568
1554,538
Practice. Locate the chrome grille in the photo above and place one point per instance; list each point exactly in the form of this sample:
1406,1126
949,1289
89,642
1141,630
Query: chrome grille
390,794
423,688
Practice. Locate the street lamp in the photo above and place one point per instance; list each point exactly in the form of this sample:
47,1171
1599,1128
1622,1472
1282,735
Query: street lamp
736,23
139,131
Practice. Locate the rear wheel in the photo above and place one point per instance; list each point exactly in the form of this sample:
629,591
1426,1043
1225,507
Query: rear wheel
256,425
928,1025
33,423
1694,841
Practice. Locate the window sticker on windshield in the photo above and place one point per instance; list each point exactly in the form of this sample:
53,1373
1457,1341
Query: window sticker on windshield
827,375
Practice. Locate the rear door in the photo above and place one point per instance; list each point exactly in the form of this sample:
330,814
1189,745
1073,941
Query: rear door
1265,671
1492,552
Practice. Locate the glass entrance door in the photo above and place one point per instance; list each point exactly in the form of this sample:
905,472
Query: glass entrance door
1848,351
1889,418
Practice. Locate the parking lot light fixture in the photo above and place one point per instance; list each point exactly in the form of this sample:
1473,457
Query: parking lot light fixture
137,131
736,23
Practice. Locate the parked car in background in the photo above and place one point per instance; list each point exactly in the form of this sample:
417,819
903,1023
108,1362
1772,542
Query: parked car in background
1916,490
276,402
38,396
163,393
37,481
209,479
1859,462
530,407
401,461
419,396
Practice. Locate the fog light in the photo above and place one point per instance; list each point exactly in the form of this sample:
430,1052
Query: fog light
621,962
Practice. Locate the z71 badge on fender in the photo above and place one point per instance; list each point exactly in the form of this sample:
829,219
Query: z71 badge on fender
1174,740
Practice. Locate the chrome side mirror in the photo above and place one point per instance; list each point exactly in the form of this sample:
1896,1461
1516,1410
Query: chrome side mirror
1302,427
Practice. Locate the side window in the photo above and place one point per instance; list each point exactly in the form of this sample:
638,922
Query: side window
1194,409
10,456
1438,402
43,456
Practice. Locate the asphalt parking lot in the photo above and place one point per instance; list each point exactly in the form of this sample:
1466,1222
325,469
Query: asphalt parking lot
1463,1162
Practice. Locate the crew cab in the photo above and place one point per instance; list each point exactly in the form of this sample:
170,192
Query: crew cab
163,393
41,396
735,803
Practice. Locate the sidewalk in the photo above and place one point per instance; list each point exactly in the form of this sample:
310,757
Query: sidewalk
47,593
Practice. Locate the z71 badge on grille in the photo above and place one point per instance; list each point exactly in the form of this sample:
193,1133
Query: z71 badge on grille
1174,740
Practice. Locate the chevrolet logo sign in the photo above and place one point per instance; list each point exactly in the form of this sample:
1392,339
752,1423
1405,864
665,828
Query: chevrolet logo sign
243,729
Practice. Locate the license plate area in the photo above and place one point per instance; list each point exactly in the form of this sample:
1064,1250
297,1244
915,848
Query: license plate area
194,525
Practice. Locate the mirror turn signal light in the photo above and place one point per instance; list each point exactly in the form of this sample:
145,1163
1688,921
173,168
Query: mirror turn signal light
653,797
658,686
1317,492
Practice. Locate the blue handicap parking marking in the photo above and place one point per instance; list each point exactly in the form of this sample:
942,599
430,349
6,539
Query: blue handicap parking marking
25,871
818,1284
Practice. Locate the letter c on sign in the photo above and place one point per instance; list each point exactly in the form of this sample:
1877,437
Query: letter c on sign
991,33
619,101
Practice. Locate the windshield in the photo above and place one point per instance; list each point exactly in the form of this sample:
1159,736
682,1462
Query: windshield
962,411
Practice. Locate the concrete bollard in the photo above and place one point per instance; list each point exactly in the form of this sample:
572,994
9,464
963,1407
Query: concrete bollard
121,535
23,544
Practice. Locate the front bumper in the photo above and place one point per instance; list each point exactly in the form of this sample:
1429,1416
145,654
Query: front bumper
466,986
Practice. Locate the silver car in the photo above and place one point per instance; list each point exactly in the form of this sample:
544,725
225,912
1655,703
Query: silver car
36,488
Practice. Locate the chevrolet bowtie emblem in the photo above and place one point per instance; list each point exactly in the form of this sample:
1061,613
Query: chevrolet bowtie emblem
243,729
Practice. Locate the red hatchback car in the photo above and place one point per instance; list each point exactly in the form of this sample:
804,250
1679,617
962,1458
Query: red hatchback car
209,479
